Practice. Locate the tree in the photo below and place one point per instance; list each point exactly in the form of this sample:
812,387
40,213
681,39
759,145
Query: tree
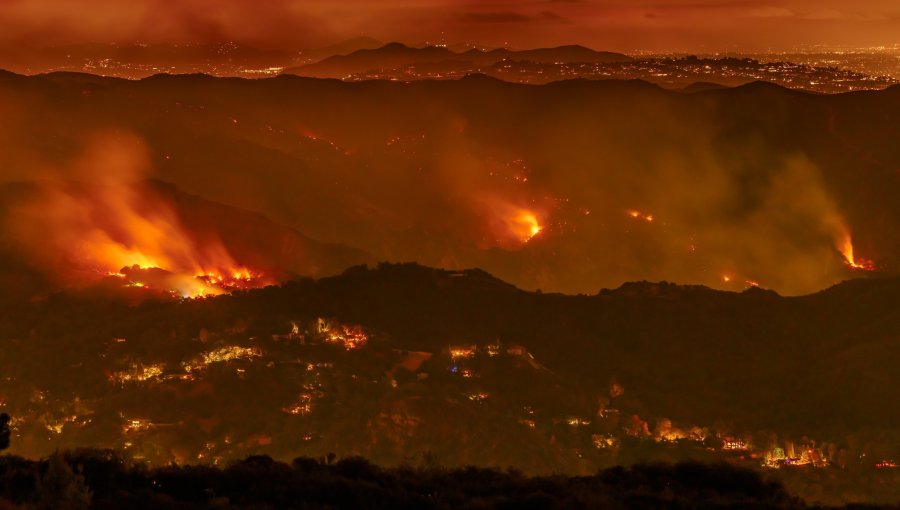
61,488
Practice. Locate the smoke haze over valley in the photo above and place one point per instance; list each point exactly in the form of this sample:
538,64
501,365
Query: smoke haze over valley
750,186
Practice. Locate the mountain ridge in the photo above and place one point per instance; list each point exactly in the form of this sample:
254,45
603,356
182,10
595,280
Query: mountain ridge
396,54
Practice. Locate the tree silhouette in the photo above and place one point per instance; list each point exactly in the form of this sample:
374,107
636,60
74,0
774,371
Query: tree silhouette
4,431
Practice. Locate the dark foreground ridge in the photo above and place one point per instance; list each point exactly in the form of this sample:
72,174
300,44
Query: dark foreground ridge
101,479
402,363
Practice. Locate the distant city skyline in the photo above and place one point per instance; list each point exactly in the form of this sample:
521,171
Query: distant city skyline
617,25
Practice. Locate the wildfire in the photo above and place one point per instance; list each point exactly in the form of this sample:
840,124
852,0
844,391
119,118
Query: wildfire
242,278
510,225
525,225
351,337
846,249
130,231
186,285
534,228
105,221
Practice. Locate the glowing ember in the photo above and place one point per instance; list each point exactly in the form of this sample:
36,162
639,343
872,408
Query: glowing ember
238,279
351,337
457,353
138,373
638,215
846,248
187,286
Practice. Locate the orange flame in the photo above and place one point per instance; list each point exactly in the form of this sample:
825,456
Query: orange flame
527,225
127,232
638,215
846,249
510,225
517,225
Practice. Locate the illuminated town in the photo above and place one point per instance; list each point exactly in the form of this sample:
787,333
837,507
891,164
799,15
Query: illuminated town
823,70
668,72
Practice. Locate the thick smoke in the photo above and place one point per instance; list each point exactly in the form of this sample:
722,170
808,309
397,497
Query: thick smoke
679,203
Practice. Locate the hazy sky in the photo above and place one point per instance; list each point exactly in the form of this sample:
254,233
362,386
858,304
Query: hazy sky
624,25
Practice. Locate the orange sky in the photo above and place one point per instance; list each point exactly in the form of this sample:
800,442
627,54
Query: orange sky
623,25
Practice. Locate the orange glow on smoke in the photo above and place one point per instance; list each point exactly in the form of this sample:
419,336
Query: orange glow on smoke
104,222
145,233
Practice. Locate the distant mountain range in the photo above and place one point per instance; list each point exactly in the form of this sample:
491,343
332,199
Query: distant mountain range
394,55
139,60
365,58
340,48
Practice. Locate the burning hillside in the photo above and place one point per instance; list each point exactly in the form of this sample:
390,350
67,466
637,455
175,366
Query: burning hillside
850,258
120,227
127,230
